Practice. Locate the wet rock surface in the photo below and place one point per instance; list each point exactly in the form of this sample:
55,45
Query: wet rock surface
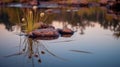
48,32
65,31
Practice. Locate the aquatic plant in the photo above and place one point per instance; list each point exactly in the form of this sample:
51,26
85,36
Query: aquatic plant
32,19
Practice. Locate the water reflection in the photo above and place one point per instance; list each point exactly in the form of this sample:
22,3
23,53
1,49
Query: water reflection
33,49
78,20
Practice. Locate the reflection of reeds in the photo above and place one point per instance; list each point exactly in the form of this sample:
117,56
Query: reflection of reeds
90,11
31,48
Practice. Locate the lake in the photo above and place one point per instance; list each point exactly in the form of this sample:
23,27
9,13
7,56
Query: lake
95,42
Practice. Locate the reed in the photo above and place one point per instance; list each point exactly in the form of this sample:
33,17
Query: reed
31,19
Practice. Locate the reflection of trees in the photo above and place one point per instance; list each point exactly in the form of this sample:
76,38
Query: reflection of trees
80,19
83,17
4,18
9,17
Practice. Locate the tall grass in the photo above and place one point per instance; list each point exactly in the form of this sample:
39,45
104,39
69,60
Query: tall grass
31,17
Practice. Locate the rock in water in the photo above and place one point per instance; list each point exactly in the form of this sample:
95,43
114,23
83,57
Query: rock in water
48,32
65,31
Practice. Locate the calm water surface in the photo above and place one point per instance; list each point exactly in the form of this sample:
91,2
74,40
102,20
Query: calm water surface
95,43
